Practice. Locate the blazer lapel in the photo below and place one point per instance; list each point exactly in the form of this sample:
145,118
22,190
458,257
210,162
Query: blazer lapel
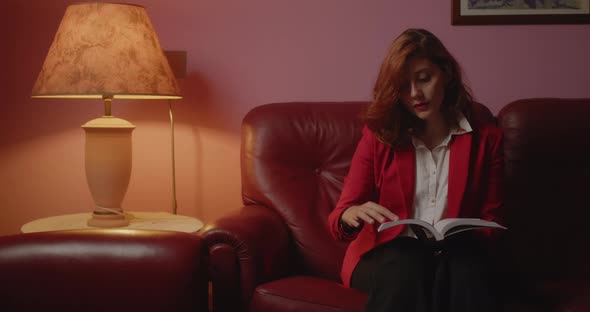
458,172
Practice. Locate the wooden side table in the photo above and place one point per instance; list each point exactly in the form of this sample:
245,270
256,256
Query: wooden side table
137,220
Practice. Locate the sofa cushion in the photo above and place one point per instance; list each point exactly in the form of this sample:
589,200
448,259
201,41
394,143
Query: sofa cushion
305,293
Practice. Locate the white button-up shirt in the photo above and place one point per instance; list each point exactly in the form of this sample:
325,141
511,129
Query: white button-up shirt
432,177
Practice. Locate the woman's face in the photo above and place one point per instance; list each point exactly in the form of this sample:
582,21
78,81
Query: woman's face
423,91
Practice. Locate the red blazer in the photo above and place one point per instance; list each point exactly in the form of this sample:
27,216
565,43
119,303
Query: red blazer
386,176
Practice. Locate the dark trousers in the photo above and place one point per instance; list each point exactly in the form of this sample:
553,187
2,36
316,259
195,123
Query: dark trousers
411,275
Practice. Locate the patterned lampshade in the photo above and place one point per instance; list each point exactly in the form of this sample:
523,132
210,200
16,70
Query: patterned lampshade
106,50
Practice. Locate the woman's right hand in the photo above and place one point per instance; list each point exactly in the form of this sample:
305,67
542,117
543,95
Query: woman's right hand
369,212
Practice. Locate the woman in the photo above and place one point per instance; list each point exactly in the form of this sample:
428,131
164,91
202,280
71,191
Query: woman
423,154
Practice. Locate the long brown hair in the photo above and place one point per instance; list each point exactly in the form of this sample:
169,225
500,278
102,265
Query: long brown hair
386,115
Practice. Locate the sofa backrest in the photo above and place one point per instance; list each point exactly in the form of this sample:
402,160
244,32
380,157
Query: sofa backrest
294,159
546,150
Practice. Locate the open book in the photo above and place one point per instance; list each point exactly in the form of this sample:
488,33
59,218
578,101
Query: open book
442,228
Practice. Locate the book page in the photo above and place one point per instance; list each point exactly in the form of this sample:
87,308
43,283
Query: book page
427,226
452,226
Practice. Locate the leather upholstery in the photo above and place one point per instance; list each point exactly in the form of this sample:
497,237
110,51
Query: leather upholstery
294,158
96,270
305,293
546,150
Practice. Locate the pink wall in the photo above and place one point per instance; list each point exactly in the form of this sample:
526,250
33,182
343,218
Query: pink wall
242,54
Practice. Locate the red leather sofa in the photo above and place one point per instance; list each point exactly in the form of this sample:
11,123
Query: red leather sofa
545,254
275,254
95,270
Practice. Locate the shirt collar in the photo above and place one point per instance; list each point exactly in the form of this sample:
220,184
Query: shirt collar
464,127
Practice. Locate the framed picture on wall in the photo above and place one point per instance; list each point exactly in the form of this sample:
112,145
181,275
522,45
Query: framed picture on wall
497,12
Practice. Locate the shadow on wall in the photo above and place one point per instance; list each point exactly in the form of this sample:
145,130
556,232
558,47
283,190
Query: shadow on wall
206,137
212,108
32,119
212,119
201,107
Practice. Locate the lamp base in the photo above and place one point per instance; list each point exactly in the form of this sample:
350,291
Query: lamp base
108,168
108,220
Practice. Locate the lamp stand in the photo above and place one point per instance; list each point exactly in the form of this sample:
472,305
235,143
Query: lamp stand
108,167
174,202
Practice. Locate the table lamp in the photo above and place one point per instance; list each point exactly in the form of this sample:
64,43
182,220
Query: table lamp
106,51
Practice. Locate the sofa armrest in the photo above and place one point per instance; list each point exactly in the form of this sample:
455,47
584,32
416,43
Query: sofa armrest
245,249
98,270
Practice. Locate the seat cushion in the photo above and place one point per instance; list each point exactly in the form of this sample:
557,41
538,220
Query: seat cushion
305,293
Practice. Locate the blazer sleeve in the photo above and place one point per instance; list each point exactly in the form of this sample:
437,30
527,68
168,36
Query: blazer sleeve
359,185
494,195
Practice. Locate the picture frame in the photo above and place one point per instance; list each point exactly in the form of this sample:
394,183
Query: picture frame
519,12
